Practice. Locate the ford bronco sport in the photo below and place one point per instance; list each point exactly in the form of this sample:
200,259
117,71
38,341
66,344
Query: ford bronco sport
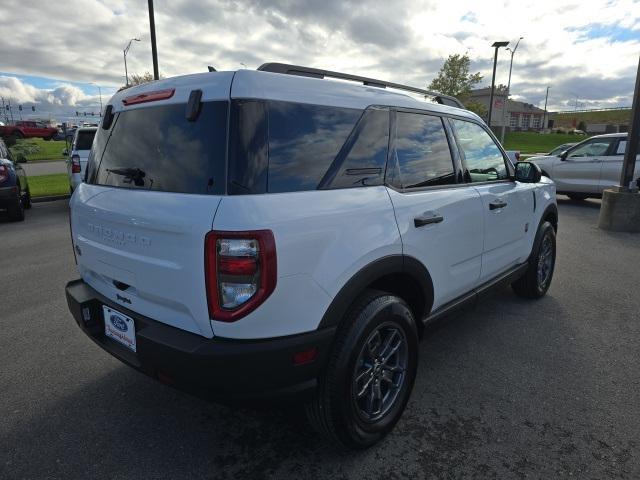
275,232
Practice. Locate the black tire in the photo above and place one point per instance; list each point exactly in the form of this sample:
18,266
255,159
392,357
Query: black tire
578,196
534,283
16,211
18,135
26,200
336,410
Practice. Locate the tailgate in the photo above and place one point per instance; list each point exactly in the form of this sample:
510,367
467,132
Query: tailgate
145,251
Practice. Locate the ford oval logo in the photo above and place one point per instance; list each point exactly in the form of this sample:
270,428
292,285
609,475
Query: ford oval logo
119,323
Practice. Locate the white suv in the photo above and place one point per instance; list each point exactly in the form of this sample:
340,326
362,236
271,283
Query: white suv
588,168
273,232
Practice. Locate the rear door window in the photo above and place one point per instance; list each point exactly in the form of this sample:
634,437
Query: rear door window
422,156
157,148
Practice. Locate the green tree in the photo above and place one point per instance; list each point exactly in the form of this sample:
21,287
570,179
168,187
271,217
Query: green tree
136,79
454,78
477,108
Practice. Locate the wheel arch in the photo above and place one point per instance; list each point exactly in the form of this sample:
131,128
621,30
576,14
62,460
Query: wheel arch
550,215
400,275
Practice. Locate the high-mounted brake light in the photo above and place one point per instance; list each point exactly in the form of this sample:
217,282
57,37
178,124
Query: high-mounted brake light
149,97
4,173
75,164
240,272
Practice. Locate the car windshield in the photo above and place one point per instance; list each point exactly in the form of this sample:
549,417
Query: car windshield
558,150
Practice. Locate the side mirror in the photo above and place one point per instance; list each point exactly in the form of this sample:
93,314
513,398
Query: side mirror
528,172
65,153
563,155
20,158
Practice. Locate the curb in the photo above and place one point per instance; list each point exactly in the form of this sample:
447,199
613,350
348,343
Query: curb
50,198
49,160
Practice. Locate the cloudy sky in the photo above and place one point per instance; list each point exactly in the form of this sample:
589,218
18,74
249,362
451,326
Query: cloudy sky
585,50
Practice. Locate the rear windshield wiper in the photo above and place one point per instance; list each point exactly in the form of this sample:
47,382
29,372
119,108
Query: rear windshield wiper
131,174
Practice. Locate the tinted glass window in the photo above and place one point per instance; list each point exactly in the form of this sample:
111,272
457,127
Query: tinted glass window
95,153
422,154
483,157
248,148
362,159
157,148
85,139
592,148
303,142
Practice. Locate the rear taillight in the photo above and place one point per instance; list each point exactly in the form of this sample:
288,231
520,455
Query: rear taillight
75,164
241,272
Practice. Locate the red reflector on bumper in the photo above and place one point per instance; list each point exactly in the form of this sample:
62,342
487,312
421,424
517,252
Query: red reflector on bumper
306,356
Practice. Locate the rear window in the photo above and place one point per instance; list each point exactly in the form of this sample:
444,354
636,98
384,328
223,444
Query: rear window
85,139
157,148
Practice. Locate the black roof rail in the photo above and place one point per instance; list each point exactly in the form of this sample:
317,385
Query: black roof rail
372,82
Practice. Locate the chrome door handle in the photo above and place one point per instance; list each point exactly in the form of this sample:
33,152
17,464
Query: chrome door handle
427,218
497,204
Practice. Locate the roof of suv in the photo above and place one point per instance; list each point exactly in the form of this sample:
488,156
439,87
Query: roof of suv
605,135
276,86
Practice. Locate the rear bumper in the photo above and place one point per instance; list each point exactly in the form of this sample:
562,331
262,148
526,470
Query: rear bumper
8,196
213,368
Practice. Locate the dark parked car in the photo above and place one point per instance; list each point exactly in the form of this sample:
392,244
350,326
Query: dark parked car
14,187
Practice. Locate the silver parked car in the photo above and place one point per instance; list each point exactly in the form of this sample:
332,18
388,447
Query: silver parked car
80,149
589,167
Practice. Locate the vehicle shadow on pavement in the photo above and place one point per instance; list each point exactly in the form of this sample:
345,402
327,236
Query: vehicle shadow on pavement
474,369
589,203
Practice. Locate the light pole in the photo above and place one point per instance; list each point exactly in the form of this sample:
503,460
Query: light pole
125,51
544,116
506,103
495,45
154,50
100,93
620,207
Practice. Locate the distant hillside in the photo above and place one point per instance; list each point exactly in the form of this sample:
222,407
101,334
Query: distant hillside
572,119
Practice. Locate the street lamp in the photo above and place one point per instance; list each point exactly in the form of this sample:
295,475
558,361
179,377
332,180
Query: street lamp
100,93
504,107
125,51
496,45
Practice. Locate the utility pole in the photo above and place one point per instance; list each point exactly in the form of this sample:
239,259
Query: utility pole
544,117
506,103
495,45
620,206
154,50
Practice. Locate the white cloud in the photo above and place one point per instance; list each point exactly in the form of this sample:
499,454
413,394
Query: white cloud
403,41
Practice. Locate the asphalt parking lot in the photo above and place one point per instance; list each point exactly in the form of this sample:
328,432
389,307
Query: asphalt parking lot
509,389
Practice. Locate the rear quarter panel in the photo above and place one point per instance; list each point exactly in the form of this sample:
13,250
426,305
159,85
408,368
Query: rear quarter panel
322,238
